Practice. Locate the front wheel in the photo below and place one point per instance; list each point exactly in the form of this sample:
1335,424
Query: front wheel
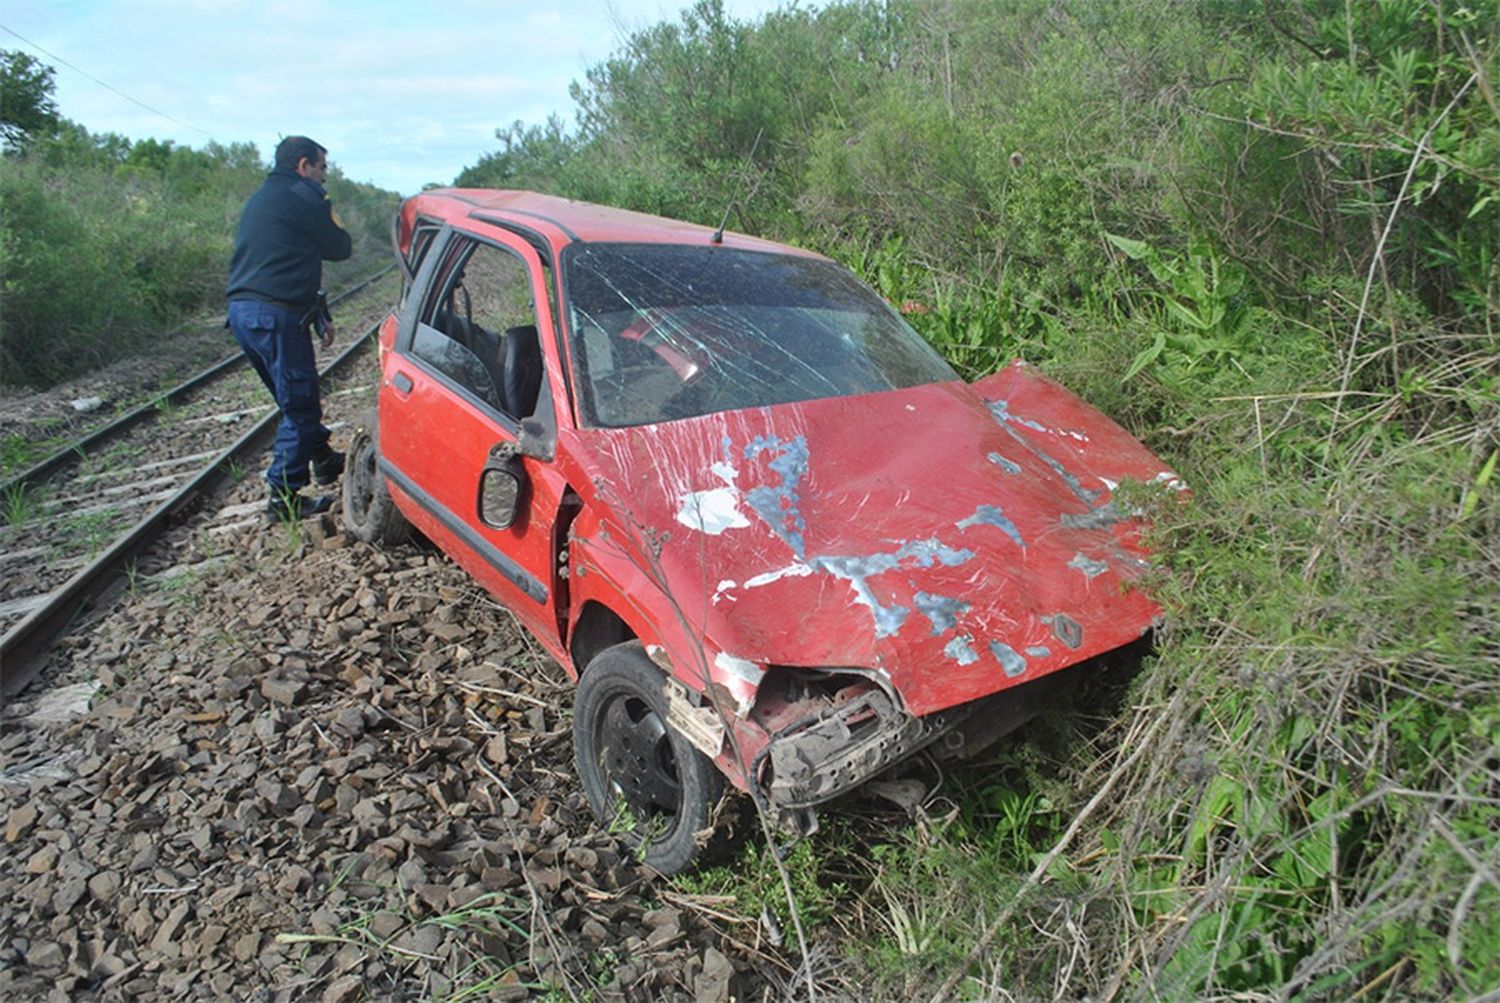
369,511
644,781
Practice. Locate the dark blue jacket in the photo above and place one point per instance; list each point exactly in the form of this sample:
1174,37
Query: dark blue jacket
286,230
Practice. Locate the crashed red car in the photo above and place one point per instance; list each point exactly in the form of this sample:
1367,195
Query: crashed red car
767,529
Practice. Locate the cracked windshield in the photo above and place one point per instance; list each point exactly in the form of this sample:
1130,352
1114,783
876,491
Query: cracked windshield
662,332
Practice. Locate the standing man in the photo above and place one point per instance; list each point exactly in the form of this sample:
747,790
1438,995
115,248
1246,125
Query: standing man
286,231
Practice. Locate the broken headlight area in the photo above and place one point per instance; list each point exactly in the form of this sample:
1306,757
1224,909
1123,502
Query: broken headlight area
831,731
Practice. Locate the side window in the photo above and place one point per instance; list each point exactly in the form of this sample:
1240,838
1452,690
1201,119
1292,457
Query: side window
420,242
479,328
411,263
499,288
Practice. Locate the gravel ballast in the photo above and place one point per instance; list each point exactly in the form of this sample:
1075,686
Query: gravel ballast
322,772
298,767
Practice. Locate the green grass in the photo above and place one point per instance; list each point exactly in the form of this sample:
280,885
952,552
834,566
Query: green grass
812,866
167,407
184,590
23,503
1313,800
115,458
17,451
94,530
489,916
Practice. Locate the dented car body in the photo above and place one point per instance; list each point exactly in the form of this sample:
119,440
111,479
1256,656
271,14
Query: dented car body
727,472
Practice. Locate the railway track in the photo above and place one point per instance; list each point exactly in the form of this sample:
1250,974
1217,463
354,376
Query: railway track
77,523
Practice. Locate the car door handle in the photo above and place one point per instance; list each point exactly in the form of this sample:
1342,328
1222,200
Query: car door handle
401,382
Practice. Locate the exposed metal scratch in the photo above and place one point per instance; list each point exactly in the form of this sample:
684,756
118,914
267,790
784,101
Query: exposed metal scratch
943,611
778,506
857,570
991,515
1103,517
961,650
1001,410
1010,659
1091,568
1006,465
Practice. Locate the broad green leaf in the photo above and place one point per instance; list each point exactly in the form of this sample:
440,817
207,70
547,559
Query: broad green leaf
1471,496
1136,250
1146,357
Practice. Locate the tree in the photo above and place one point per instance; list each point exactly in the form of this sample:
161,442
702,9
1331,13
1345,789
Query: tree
27,108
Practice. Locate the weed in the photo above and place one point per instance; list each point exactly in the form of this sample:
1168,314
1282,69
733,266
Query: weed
293,533
489,985
120,456
17,451
812,868
1204,318
293,536
624,819
181,588
933,888
93,529
23,503
490,916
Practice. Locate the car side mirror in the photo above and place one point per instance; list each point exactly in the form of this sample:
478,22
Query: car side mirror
535,440
502,489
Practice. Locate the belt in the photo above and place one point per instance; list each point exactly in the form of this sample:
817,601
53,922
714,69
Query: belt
298,308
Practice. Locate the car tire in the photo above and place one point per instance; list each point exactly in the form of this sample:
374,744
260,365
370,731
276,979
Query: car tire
369,511
645,782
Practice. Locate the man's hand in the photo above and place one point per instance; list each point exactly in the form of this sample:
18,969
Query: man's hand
326,337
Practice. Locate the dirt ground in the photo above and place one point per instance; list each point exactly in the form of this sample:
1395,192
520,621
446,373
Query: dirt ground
292,766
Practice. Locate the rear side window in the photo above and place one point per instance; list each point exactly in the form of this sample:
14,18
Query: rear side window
421,240
478,328
416,250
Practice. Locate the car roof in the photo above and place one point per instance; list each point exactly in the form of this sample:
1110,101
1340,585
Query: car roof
565,221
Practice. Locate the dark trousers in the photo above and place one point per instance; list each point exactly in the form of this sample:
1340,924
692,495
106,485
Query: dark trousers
282,353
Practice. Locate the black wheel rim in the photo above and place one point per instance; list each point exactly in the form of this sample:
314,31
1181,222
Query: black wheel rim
636,753
361,475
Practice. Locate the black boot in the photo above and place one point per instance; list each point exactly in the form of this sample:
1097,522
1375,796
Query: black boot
326,469
288,506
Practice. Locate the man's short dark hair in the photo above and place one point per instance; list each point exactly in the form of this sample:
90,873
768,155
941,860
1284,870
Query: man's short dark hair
290,151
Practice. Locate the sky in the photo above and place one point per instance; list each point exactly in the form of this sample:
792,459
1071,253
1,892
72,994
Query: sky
401,93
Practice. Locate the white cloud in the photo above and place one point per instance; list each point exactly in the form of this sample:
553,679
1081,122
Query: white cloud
401,95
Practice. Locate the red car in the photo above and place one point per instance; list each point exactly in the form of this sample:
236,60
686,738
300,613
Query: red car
767,529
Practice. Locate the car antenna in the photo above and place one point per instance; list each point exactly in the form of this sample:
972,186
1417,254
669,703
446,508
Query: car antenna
718,237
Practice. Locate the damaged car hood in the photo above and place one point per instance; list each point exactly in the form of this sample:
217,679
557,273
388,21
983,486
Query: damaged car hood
957,539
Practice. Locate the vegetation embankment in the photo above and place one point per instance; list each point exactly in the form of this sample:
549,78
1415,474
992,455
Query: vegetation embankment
107,243
1266,238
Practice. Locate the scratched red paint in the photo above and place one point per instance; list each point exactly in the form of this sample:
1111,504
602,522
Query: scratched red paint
954,540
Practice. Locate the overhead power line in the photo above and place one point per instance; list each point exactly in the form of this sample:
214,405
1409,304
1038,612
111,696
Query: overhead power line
101,83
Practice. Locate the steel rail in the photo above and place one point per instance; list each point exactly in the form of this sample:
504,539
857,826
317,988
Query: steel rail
73,451
22,645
